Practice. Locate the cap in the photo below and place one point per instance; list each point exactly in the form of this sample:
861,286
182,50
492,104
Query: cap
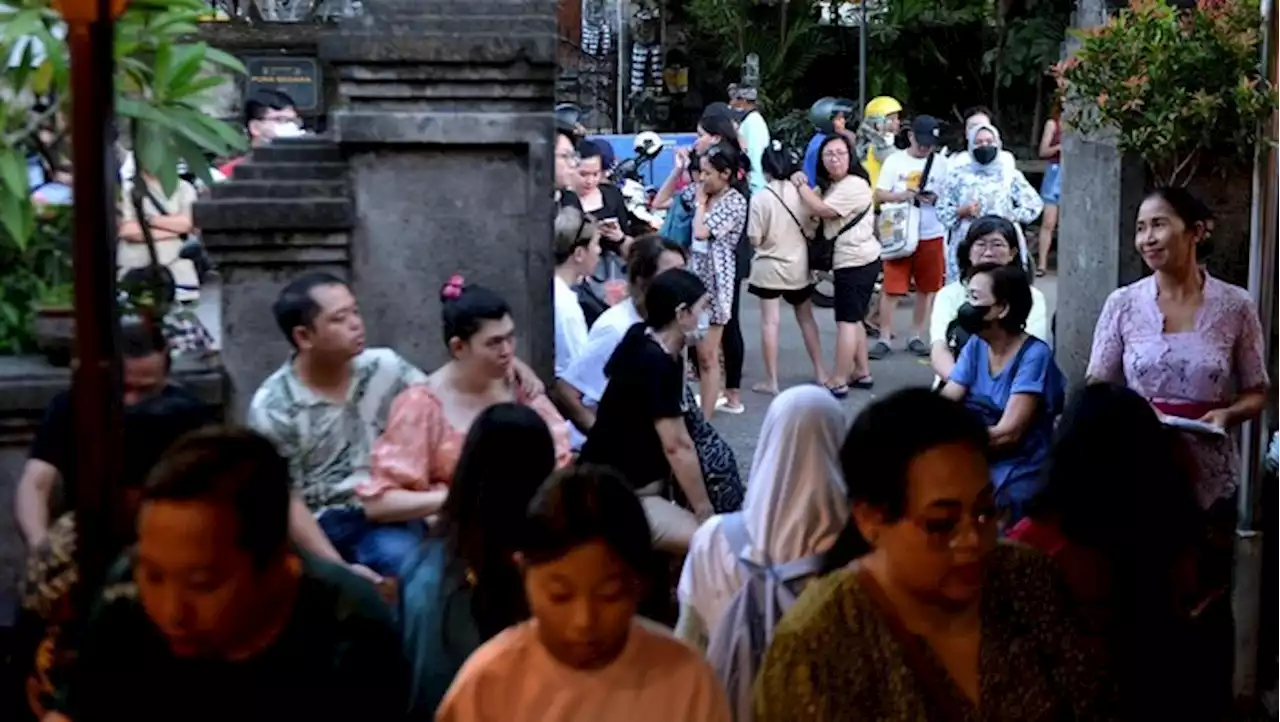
926,130
719,108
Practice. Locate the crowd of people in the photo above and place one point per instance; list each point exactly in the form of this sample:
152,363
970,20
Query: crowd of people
477,543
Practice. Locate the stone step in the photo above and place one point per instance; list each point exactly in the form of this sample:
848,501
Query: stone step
297,190
274,214
254,170
281,151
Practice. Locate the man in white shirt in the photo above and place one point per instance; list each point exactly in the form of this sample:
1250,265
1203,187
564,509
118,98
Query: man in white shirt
917,176
577,250
753,131
579,389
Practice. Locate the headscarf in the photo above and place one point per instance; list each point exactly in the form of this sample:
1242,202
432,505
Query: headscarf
795,506
995,167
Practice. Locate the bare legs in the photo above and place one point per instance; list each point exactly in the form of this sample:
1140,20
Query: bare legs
770,324
812,339
851,354
1048,224
709,370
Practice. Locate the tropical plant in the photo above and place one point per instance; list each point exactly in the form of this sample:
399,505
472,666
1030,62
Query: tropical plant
161,80
1174,87
787,39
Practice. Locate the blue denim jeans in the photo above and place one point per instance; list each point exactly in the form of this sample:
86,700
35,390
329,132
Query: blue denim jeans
381,547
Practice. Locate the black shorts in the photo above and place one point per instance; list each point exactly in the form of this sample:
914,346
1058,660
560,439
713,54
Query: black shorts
794,296
853,289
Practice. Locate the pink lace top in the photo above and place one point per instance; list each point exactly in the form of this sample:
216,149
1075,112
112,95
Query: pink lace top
419,449
1211,364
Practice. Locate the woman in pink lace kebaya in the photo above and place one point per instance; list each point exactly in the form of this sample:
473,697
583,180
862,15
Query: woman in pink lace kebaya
412,463
1190,344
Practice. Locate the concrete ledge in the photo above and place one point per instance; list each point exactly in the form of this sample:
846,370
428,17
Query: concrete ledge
253,169
420,44
268,214
299,190
440,127
244,247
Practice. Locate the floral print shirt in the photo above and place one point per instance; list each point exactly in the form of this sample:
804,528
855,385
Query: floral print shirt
1211,364
1000,191
834,656
326,442
420,448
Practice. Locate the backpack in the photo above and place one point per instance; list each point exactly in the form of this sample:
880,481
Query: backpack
822,250
738,642
438,631
678,225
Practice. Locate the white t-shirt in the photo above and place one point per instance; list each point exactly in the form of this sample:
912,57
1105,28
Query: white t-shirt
586,371
903,171
571,326
953,295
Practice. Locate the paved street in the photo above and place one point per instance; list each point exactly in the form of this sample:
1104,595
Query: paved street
900,370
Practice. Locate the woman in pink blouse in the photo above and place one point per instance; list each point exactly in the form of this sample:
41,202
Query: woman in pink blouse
1190,344
412,463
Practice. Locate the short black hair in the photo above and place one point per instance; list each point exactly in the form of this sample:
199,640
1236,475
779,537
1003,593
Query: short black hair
642,259
235,468
1009,285
256,107
142,336
150,278
462,315
295,305
581,504
876,452
979,109
669,291
590,149
987,224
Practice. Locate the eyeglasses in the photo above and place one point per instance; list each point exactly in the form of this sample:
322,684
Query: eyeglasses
944,534
835,154
570,158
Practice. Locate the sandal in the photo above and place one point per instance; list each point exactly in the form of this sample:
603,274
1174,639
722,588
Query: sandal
1040,272
840,391
766,389
866,382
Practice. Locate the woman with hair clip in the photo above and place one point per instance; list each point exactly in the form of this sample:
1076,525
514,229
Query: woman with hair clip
778,230
719,223
413,462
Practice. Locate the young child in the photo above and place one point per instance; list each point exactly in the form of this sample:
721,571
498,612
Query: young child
585,656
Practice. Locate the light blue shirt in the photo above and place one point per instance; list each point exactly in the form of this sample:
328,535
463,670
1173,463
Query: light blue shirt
755,134
1015,473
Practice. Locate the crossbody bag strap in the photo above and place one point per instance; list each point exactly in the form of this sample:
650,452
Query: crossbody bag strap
787,208
913,651
856,220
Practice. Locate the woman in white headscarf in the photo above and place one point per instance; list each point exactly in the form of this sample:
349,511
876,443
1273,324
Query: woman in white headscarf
795,507
981,187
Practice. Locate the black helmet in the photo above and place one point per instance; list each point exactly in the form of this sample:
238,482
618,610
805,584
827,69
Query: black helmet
826,109
568,118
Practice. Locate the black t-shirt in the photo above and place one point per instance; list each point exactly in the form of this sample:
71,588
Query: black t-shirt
569,199
150,427
339,659
645,385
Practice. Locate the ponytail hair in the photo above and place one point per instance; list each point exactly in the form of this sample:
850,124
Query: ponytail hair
727,157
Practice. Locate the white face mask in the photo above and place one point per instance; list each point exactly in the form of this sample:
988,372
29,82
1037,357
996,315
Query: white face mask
700,331
289,129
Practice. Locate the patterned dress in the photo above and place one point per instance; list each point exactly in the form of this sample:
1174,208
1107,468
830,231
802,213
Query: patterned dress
998,189
717,262
835,658
1206,366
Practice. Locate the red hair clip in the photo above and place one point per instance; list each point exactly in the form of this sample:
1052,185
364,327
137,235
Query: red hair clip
453,287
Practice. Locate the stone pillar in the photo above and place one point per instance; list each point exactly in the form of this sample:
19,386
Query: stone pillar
444,113
288,210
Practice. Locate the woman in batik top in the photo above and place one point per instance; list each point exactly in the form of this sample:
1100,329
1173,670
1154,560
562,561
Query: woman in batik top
939,621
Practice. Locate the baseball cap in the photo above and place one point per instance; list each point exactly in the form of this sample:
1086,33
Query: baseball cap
926,130
721,108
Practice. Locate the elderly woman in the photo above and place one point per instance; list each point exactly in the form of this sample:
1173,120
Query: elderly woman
939,621
1009,379
985,186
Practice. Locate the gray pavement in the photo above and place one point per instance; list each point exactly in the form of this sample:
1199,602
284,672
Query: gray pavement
900,370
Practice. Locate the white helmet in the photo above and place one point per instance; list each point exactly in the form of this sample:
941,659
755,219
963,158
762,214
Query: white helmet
647,144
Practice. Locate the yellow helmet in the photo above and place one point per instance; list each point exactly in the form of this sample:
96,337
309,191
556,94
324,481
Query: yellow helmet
882,107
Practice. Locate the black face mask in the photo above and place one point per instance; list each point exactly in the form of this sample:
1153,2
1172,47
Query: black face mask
972,319
985,154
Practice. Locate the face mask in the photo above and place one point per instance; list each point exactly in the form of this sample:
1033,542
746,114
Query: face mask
972,319
700,332
985,154
289,129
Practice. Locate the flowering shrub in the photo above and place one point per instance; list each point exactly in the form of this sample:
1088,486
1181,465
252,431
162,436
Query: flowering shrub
1175,86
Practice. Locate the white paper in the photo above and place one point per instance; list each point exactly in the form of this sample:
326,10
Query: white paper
1195,427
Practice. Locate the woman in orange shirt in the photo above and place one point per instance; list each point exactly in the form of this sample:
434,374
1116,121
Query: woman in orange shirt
412,464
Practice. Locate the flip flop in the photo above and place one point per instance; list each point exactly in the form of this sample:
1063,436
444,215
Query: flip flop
727,408
766,389
840,391
866,382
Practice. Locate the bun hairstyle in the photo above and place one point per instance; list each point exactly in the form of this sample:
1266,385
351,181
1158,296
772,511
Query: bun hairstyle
727,157
777,161
465,309
1195,215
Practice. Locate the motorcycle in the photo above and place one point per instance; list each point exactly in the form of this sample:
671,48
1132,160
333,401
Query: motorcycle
629,175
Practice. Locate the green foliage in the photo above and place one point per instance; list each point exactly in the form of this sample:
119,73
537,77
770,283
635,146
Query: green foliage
786,37
1174,87
161,80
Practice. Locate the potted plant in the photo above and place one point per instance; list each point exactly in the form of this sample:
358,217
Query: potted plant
161,80
1182,90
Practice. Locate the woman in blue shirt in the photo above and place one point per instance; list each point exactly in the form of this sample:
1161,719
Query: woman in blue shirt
1008,378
